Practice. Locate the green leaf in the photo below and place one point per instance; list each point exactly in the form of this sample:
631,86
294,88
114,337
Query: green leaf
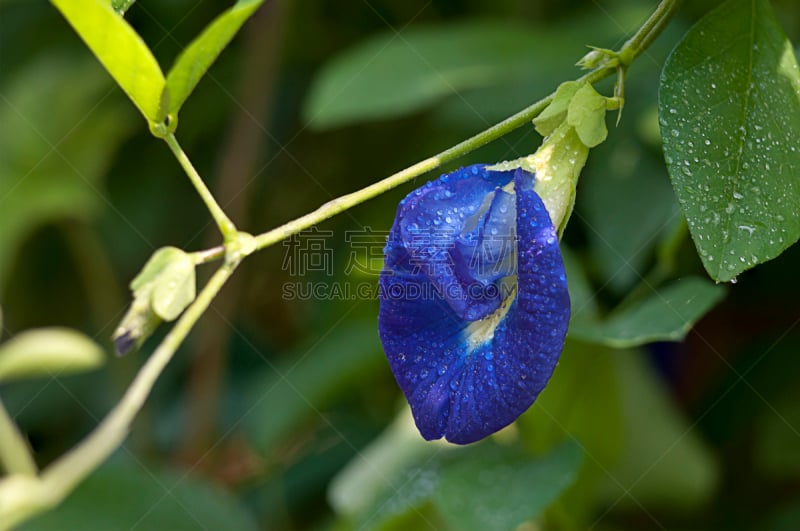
555,44
52,163
389,75
581,401
583,303
502,491
628,205
474,61
388,457
482,487
314,376
196,59
587,114
48,351
121,51
125,495
667,315
664,462
405,503
729,110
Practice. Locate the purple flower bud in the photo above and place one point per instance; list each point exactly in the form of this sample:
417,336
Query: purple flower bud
474,303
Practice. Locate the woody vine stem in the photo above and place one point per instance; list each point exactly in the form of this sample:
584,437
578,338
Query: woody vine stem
24,492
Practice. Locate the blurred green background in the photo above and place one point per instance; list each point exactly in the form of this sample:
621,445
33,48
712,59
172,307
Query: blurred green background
274,414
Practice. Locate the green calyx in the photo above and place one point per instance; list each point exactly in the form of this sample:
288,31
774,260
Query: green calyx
557,164
161,291
582,108
239,246
572,124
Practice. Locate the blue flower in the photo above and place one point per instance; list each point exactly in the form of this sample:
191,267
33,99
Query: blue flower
474,303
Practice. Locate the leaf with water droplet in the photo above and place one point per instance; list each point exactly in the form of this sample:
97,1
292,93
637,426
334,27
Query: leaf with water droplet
729,107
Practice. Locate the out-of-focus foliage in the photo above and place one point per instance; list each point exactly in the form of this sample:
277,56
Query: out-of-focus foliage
393,74
52,162
280,411
124,494
667,314
47,352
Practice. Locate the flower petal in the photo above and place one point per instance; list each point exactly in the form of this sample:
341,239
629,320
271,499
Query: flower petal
440,226
471,361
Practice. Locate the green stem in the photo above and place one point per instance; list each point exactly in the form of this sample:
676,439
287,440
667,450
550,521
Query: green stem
61,477
14,454
208,255
340,204
226,226
651,28
633,48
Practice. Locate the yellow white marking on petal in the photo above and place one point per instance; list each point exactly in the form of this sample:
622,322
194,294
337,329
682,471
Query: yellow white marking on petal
480,332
